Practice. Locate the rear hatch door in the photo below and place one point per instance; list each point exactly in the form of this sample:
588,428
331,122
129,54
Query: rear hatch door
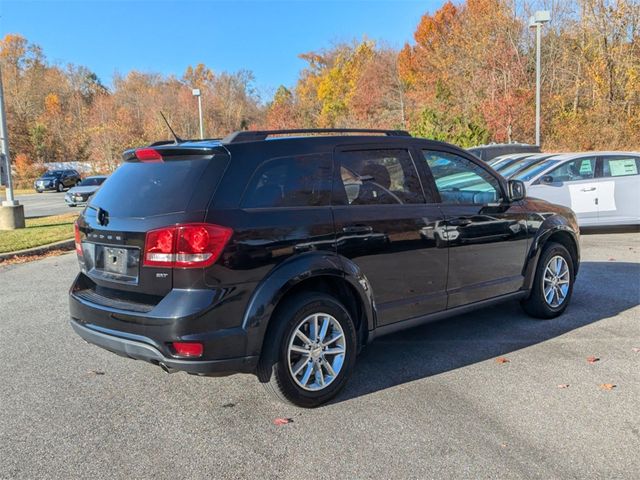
138,197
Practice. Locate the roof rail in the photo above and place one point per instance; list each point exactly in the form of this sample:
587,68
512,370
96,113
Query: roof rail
258,135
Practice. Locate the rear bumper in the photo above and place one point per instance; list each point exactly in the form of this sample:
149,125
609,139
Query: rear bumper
146,331
140,350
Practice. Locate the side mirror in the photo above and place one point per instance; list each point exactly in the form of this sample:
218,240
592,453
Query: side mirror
517,191
546,179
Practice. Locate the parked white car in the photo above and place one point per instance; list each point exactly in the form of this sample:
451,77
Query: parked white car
602,188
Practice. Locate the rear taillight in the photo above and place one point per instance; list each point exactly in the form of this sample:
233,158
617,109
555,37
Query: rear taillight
148,155
188,349
185,246
78,241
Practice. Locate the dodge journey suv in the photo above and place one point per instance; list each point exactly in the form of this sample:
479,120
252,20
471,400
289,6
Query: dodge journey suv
283,253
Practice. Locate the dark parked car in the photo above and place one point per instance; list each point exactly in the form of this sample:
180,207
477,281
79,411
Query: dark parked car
284,256
493,150
83,191
57,180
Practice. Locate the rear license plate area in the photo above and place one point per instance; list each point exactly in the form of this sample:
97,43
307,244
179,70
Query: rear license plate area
113,263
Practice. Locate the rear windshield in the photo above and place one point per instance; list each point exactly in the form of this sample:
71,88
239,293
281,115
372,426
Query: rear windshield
92,181
148,189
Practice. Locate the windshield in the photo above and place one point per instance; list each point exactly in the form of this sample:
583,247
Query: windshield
508,170
91,181
53,173
533,170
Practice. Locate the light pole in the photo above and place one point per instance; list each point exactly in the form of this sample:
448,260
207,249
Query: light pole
196,93
11,212
536,21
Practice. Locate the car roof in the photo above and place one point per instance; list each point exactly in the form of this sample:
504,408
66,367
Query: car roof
314,136
296,141
576,155
541,156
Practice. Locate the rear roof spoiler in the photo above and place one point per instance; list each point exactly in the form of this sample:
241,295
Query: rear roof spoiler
259,135
172,151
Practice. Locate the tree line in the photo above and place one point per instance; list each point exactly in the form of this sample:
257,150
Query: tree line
468,77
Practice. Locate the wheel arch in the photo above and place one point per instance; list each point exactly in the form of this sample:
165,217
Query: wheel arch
314,271
554,229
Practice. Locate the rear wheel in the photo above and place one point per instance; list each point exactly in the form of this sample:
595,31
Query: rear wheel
553,283
60,187
310,352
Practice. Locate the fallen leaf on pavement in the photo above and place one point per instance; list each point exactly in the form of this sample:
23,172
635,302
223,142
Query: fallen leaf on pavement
282,421
593,359
502,360
96,372
608,386
612,259
636,349
563,385
228,405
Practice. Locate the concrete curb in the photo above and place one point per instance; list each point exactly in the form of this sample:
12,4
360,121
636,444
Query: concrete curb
61,245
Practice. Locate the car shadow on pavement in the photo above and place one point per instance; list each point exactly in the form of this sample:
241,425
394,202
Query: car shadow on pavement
603,289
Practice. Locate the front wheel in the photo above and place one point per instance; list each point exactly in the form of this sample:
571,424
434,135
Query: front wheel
310,352
553,283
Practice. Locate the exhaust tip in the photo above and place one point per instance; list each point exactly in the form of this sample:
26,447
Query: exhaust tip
167,369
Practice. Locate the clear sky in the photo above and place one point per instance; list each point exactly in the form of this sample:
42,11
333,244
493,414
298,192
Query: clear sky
167,36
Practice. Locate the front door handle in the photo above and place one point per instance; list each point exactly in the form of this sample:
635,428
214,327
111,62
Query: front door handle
588,189
357,229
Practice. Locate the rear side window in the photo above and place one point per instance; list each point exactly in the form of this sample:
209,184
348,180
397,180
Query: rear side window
620,166
297,181
377,177
139,189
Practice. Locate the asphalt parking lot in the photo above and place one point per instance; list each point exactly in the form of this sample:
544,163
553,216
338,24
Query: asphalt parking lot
432,402
45,203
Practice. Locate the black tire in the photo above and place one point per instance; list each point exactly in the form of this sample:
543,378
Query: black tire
274,371
537,305
39,191
60,187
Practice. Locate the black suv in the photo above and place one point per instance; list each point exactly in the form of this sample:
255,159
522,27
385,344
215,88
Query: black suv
283,255
57,180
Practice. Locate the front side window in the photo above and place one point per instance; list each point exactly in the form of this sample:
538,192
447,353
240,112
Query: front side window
579,169
620,166
377,177
298,181
460,181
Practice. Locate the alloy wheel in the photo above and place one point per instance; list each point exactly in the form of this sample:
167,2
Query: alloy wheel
555,282
316,351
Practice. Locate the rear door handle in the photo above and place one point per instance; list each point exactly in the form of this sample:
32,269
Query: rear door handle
590,189
357,229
